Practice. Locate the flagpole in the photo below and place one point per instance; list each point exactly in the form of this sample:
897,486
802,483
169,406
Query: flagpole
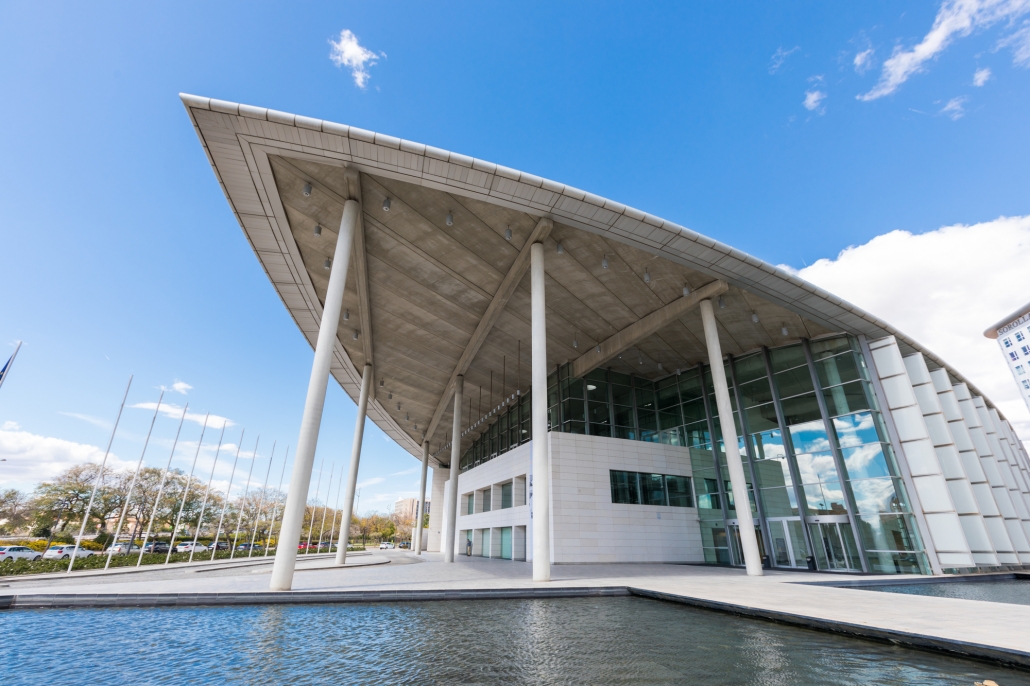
207,492
186,489
275,508
243,503
225,503
10,363
311,524
325,510
336,511
100,474
161,488
132,485
261,503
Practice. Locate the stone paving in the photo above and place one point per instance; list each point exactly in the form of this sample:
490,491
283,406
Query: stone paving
946,623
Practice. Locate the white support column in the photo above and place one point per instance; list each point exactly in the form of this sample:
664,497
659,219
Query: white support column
451,509
541,460
355,461
748,540
420,511
300,478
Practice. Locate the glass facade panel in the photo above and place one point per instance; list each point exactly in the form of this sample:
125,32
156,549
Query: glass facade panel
800,410
825,499
879,495
625,488
793,382
850,397
761,418
678,488
779,502
653,486
787,358
506,493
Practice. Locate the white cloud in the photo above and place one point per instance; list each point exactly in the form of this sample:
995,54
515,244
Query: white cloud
864,61
178,387
174,411
95,421
31,458
981,77
370,482
955,18
779,57
943,288
413,470
813,100
347,52
1019,41
954,108
10,426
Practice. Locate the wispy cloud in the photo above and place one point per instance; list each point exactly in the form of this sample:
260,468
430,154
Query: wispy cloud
863,61
813,101
1019,41
175,412
955,19
348,52
95,421
779,57
178,387
413,470
10,426
955,108
370,482
981,77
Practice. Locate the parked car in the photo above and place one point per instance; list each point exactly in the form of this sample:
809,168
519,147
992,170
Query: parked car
246,546
220,545
123,549
405,544
156,547
386,545
10,553
305,546
65,551
187,546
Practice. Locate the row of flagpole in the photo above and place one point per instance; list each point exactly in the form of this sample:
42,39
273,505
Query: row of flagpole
200,520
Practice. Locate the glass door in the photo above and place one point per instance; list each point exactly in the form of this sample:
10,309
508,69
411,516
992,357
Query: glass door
738,550
506,543
834,543
788,542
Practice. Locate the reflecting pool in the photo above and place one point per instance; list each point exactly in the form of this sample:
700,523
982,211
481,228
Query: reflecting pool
1008,591
623,640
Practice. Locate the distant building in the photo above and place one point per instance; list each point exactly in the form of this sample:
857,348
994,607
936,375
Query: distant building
1013,334
408,508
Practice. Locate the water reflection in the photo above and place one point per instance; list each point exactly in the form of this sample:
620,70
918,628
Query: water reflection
575,641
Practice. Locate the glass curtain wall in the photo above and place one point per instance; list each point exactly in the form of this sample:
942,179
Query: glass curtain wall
817,459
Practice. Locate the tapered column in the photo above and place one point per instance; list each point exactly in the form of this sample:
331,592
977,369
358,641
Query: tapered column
748,540
541,459
420,511
451,510
300,478
355,460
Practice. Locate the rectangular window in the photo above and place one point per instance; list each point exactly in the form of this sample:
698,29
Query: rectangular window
1019,369
470,504
486,500
1008,342
1014,355
633,488
506,491
1019,335
1026,349
1026,384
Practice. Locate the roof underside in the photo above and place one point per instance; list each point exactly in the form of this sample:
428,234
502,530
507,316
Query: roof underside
415,303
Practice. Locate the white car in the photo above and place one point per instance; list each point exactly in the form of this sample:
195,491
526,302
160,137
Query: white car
64,551
188,546
386,545
10,553
122,549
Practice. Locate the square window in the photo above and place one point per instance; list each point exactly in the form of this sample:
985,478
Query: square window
1026,384
1019,336
1014,355
1026,349
1007,342
1019,369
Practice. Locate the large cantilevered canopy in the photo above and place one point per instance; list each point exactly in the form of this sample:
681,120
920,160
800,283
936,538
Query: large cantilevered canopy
438,280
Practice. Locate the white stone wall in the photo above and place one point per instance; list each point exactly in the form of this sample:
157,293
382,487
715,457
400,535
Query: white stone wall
586,527
435,533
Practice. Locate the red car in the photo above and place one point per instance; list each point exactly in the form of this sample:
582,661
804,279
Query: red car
305,546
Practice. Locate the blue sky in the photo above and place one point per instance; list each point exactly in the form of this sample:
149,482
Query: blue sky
743,121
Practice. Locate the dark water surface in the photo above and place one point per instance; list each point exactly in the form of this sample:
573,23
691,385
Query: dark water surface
1008,591
571,641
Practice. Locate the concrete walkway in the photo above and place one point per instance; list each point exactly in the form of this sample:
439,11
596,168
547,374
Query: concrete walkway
974,628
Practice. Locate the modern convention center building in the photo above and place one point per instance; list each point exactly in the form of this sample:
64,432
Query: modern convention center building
593,384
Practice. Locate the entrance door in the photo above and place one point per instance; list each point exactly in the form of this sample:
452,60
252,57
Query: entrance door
834,543
788,542
738,549
506,543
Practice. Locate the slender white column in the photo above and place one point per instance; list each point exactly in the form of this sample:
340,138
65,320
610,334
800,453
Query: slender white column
748,540
541,458
421,509
355,458
300,479
451,511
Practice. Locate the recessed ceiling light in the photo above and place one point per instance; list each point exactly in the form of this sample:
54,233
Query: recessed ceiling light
386,205
561,249
754,317
659,366
328,263
346,318
598,348
647,277
686,290
318,229
507,234
722,303
591,387
450,219
307,190
604,262
784,330
355,334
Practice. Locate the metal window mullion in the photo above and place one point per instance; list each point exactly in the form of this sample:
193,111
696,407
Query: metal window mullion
788,449
633,402
748,449
586,409
838,458
611,401
715,460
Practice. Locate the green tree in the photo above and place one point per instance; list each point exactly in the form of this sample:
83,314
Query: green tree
15,511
